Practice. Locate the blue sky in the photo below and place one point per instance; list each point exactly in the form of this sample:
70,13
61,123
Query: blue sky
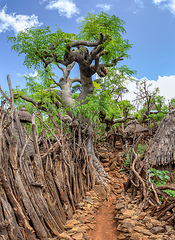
150,26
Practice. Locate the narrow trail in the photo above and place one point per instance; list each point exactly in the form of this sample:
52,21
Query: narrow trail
105,228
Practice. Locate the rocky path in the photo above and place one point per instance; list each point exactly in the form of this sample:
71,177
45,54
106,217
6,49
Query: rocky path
113,217
105,227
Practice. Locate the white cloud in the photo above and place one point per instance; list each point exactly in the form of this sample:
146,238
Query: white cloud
104,7
172,6
166,4
137,5
34,74
65,7
166,86
158,1
16,22
80,19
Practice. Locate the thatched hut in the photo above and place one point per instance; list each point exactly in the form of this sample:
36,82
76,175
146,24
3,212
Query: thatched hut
161,150
133,126
24,116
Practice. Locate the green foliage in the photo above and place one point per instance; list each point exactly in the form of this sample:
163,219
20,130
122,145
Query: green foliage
36,42
112,27
159,177
172,102
40,45
75,96
141,149
102,100
140,114
126,158
128,154
96,102
125,106
161,107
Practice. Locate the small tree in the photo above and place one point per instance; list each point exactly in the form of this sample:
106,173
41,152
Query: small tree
98,46
146,97
161,107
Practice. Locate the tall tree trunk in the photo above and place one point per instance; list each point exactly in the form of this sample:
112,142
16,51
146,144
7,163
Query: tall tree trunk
101,176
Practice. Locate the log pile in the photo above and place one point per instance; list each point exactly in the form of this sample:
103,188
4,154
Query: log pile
38,193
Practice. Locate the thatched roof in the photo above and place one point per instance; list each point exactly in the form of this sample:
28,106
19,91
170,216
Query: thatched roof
161,150
24,115
134,126
132,122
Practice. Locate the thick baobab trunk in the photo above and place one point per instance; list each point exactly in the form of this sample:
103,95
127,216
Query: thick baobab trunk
101,176
81,126
87,87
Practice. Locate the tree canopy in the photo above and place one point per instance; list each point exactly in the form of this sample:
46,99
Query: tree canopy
98,47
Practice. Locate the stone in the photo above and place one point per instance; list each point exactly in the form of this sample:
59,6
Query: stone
89,200
71,223
78,236
147,219
144,238
106,164
127,213
130,206
119,206
157,237
91,225
85,236
129,224
136,236
135,217
88,194
65,236
156,230
155,222
118,217
142,215
168,228
141,229
107,169
75,230
121,228
100,191
113,166
149,225
172,237
121,236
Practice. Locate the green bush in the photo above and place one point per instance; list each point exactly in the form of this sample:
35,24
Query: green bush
127,155
159,177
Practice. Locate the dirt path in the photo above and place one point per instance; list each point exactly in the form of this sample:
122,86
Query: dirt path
105,228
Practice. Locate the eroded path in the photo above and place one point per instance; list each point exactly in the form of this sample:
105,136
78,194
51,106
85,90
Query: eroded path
95,215
105,228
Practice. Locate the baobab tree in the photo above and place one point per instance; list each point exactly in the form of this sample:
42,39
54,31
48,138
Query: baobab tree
98,46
